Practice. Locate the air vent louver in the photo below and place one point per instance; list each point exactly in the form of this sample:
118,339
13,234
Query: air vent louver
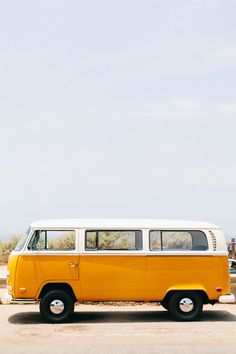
213,239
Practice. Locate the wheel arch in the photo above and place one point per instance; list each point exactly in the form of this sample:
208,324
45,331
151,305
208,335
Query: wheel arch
201,292
57,286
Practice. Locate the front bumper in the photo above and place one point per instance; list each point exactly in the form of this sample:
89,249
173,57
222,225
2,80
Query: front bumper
5,298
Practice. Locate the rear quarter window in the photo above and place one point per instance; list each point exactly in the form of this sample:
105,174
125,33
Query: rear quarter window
187,240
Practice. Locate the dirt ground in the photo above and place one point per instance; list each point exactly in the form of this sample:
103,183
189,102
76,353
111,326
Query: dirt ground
107,329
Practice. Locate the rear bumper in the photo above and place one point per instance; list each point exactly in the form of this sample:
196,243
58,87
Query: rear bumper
227,299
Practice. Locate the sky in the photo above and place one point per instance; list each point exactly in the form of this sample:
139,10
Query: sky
121,109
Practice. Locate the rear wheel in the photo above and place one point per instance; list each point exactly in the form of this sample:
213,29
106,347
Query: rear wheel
56,306
185,305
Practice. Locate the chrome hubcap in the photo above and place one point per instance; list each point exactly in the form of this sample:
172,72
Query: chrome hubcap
186,305
56,307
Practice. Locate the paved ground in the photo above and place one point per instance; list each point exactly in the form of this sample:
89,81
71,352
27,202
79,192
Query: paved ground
100,329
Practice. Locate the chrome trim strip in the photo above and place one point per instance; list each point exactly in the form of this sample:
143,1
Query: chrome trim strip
26,301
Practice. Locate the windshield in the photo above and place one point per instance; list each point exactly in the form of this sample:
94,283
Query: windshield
21,243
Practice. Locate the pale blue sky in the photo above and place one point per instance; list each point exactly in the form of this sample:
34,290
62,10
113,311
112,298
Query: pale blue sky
123,109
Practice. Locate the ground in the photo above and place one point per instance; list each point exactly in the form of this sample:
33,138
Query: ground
106,329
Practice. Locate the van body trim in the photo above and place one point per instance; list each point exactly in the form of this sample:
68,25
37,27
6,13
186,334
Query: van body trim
124,253
26,301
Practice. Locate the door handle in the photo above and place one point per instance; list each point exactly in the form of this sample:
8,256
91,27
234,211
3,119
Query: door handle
73,264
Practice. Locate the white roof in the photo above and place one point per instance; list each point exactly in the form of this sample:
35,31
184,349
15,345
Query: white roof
122,223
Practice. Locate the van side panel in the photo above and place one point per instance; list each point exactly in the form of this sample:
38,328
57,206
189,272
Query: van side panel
35,270
165,273
113,277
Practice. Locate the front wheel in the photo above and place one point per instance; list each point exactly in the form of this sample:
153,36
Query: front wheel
185,305
56,306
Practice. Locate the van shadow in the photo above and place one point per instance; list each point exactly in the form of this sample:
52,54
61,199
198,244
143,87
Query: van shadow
83,317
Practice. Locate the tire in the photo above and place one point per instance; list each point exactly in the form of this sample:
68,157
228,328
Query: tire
185,305
56,306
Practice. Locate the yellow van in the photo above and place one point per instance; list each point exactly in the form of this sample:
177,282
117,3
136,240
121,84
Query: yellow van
181,264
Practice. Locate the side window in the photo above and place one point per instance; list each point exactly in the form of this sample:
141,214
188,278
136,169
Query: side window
91,240
113,240
52,240
178,240
199,241
155,240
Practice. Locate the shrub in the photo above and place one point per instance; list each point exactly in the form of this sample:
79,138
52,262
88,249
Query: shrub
7,247
65,241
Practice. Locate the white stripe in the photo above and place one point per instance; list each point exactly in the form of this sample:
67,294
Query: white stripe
126,253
